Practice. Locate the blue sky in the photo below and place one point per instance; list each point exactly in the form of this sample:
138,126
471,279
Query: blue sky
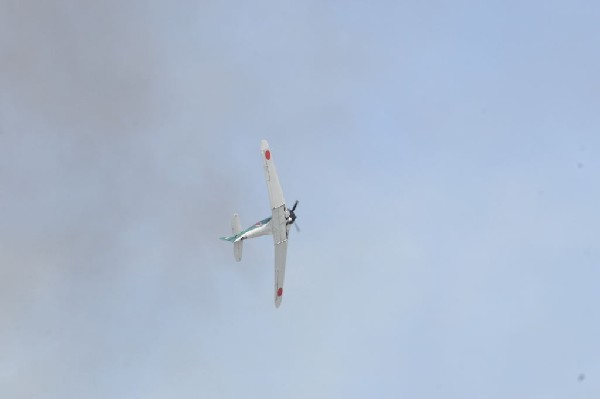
445,156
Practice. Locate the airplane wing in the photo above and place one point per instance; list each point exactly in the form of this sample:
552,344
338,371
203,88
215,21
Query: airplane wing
280,234
280,255
279,226
275,192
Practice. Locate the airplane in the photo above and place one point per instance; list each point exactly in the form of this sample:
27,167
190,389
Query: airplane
278,224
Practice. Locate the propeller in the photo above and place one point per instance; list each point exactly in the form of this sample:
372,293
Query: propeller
293,216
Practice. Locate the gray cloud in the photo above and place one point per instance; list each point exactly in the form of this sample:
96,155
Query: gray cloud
106,188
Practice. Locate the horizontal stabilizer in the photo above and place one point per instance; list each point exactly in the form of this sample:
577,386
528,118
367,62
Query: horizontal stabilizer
236,225
237,250
236,228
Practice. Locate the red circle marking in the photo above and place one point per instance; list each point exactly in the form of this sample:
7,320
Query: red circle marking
280,292
268,154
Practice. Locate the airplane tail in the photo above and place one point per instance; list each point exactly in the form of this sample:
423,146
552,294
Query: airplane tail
236,227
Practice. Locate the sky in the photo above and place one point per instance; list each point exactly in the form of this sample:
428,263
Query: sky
446,156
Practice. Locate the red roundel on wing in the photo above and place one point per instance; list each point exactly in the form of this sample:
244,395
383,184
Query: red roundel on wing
280,291
268,154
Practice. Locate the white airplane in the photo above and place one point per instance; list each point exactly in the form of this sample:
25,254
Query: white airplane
278,224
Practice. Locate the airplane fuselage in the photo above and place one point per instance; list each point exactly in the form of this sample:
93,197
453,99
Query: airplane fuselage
260,228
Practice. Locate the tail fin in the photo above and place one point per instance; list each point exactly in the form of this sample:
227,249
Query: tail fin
236,227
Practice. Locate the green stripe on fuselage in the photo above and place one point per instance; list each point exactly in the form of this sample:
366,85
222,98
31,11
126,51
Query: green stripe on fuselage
254,226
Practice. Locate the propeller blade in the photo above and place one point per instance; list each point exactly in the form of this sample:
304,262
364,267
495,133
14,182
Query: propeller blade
297,228
295,205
